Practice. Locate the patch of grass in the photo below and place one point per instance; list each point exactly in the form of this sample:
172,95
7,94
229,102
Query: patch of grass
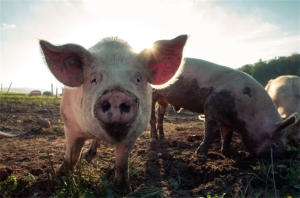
215,196
109,150
40,101
290,174
180,128
13,186
286,175
145,135
176,182
273,175
132,170
86,181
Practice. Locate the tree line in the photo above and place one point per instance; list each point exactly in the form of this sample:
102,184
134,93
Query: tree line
263,71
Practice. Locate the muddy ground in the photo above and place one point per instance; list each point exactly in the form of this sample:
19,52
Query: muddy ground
169,163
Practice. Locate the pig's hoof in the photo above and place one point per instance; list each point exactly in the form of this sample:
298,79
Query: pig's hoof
201,151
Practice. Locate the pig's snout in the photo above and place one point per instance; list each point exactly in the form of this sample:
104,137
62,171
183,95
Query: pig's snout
116,110
116,107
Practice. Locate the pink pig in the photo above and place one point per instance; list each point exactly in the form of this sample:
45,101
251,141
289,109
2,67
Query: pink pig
109,94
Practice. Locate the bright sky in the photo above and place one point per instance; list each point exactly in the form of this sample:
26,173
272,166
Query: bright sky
230,33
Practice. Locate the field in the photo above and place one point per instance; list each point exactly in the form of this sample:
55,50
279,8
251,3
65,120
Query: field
164,168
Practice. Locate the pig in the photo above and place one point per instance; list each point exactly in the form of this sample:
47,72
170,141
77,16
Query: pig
230,101
285,92
108,94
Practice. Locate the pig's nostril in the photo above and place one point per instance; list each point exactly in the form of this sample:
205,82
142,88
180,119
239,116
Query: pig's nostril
124,108
105,106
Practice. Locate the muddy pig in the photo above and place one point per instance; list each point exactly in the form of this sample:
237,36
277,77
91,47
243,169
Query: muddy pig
231,101
285,92
108,93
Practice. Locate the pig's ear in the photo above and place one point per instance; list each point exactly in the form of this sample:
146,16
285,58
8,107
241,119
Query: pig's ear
285,124
65,62
164,59
268,85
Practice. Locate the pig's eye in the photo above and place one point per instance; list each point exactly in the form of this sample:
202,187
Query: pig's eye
94,80
138,80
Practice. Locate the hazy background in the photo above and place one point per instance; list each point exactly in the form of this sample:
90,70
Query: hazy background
230,33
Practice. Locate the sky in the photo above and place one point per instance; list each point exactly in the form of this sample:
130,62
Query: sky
230,33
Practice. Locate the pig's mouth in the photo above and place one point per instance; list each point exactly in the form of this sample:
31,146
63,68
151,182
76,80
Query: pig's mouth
118,131
116,110
266,152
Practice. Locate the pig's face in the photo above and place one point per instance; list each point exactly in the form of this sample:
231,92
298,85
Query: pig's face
277,140
116,91
264,148
293,134
115,82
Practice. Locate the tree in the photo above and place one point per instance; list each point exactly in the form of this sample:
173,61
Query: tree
263,71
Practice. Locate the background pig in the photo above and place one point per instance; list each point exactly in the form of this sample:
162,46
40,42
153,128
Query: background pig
110,98
285,92
231,101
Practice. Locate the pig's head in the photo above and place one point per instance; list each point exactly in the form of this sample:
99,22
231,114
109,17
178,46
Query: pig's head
115,82
277,140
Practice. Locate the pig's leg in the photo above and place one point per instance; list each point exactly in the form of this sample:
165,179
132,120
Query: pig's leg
163,104
153,129
226,139
210,134
213,118
121,174
75,142
92,151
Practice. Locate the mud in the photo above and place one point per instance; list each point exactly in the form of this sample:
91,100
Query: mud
169,163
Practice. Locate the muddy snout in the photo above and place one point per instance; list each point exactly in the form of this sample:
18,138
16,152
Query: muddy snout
116,109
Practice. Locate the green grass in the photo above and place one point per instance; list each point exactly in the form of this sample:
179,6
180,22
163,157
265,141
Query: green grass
84,181
25,100
13,187
271,176
145,135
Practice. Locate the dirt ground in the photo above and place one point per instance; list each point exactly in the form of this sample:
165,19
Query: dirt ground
169,163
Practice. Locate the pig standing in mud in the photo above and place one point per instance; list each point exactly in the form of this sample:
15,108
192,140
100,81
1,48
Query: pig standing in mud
285,92
110,94
231,101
